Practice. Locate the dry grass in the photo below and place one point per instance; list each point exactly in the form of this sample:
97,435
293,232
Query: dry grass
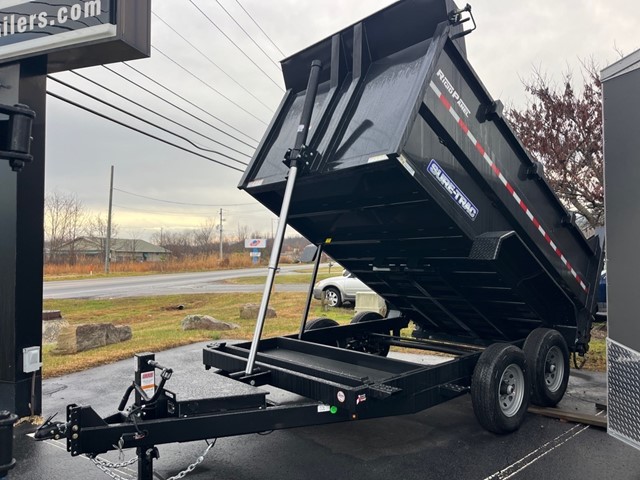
155,323
170,265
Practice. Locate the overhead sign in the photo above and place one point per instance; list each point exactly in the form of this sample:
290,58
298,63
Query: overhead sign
30,28
255,243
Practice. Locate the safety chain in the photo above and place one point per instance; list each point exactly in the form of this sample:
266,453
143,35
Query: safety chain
193,466
107,467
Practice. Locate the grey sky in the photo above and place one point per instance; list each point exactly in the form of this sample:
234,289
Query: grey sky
512,38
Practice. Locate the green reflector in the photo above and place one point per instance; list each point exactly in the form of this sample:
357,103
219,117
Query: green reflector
334,410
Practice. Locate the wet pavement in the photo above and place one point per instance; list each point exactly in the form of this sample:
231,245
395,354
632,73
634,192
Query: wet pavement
442,442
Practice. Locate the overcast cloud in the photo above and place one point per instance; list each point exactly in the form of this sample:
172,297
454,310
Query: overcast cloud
512,38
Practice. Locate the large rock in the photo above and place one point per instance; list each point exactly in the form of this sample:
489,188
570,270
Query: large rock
51,329
249,311
205,322
79,338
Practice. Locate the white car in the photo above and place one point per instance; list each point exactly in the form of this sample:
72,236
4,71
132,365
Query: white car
338,290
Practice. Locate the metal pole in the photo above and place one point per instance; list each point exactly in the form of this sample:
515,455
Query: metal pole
107,246
301,138
220,234
314,275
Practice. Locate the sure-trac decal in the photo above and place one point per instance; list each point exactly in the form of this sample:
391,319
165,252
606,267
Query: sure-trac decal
452,189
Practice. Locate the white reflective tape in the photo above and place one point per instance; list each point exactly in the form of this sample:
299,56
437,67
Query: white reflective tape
553,245
541,230
516,197
564,260
502,179
490,162
472,138
454,114
529,214
574,273
434,88
584,287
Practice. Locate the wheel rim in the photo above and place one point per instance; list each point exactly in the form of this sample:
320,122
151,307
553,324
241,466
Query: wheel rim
511,390
553,369
332,298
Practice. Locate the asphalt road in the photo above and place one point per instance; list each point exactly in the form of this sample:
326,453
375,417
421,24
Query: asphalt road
444,442
174,283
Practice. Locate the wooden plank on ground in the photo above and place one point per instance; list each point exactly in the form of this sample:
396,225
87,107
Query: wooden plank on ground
599,421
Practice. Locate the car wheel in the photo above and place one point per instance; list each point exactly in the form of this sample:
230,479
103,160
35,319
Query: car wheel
500,388
547,355
333,297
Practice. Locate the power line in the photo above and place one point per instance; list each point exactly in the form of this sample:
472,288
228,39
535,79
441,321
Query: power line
185,100
257,25
247,34
182,203
122,110
158,212
150,135
158,114
235,44
206,84
212,62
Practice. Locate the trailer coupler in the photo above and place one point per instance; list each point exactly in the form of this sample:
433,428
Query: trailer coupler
51,430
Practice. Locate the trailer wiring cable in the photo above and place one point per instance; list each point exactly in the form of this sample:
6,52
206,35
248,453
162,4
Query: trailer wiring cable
148,122
258,25
235,44
153,80
207,84
165,117
212,62
150,135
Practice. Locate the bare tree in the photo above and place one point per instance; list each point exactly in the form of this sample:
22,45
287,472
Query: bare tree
96,228
64,219
203,236
562,128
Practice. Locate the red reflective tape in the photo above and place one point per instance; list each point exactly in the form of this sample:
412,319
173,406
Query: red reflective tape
535,221
463,126
569,265
444,101
548,239
510,188
578,279
495,169
480,149
523,206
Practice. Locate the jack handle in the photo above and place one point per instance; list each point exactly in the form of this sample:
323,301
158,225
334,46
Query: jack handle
456,18
165,374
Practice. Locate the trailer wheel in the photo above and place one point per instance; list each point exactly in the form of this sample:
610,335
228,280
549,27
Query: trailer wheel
547,355
333,297
364,344
500,388
323,322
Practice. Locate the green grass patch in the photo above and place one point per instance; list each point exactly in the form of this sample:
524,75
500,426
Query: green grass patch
156,323
288,278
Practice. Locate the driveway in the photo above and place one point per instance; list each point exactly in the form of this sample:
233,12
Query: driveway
444,442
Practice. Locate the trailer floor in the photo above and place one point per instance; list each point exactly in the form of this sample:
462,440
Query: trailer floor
442,442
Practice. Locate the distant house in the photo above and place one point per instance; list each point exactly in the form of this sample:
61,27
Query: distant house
122,249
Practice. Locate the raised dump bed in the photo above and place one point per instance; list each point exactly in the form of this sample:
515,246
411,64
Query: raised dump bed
417,184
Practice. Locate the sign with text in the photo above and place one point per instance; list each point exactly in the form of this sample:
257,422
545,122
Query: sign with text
255,243
30,28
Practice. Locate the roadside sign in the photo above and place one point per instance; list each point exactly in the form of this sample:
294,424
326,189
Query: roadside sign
254,254
255,243
74,33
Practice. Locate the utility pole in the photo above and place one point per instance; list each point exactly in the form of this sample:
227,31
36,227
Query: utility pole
107,245
220,234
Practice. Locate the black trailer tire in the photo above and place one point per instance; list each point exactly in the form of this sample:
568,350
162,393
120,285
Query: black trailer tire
380,349
333,297
323,322
500,388
547,355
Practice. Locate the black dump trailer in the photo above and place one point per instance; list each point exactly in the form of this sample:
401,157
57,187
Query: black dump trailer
389,154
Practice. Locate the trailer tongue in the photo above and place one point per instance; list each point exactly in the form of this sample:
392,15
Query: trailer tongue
403,169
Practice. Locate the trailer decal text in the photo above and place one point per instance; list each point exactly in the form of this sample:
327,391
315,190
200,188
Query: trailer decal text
454,94
494,168
452,189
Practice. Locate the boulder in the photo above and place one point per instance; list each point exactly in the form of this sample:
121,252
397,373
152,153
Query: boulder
79,338
205,322
249,311
51,329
